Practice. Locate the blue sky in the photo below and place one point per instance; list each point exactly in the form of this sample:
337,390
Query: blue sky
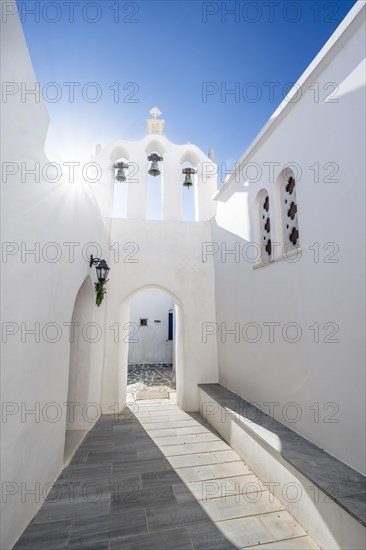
168,50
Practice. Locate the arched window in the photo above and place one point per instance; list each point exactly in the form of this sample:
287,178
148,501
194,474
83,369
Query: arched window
264,227
290,226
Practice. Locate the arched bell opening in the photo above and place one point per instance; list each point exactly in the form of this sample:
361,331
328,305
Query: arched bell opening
155,146
189,191
122,170
154,186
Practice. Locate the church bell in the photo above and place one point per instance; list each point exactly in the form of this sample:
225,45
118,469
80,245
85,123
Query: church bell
188,176
120,167
121,175
154,168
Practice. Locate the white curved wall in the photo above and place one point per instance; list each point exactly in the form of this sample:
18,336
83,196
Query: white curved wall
81,350
38,294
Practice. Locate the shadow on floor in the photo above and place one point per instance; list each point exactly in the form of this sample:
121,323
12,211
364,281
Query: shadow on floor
120,492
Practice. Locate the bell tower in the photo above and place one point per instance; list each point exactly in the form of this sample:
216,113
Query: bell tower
127,167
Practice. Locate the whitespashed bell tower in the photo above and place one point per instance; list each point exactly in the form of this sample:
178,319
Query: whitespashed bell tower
174,159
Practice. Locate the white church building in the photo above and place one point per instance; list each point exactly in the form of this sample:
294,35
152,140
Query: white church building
257,300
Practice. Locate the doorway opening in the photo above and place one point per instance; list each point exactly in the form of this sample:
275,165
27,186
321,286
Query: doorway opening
152,347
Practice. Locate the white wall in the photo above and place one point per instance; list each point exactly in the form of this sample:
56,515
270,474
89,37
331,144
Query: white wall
150,344
306,291
36,371
167,256
38,288
81,368
24,115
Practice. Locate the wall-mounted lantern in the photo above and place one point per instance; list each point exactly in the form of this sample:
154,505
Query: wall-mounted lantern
154,168
188,173
102,270
120,167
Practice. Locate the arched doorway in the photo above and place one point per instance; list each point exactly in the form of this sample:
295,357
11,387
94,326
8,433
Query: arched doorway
151,357
151,347
77,421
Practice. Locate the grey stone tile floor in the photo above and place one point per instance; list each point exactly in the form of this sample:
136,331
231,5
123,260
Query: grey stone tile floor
157,478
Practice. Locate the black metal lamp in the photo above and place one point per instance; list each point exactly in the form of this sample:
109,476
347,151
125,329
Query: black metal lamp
102,269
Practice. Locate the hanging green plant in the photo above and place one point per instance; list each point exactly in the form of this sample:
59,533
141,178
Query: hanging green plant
100,292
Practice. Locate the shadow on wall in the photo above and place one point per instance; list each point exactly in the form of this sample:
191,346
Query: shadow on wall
80,365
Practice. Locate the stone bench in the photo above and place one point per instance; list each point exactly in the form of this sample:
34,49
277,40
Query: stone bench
326,496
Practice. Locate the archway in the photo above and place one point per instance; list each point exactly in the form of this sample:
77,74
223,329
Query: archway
151,357
81,338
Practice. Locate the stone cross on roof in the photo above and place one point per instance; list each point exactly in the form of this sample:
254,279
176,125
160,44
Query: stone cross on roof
155,125
155,112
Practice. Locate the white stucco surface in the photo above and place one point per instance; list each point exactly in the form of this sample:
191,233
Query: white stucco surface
38,295
46,234
167,256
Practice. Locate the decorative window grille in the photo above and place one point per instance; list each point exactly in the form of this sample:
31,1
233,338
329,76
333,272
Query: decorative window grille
290,226
264,220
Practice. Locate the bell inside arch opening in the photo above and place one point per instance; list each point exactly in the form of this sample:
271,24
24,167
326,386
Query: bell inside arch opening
189,191
121,176
154,187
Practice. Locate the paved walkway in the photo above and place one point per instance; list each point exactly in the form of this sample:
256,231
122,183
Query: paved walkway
156,478
148,381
